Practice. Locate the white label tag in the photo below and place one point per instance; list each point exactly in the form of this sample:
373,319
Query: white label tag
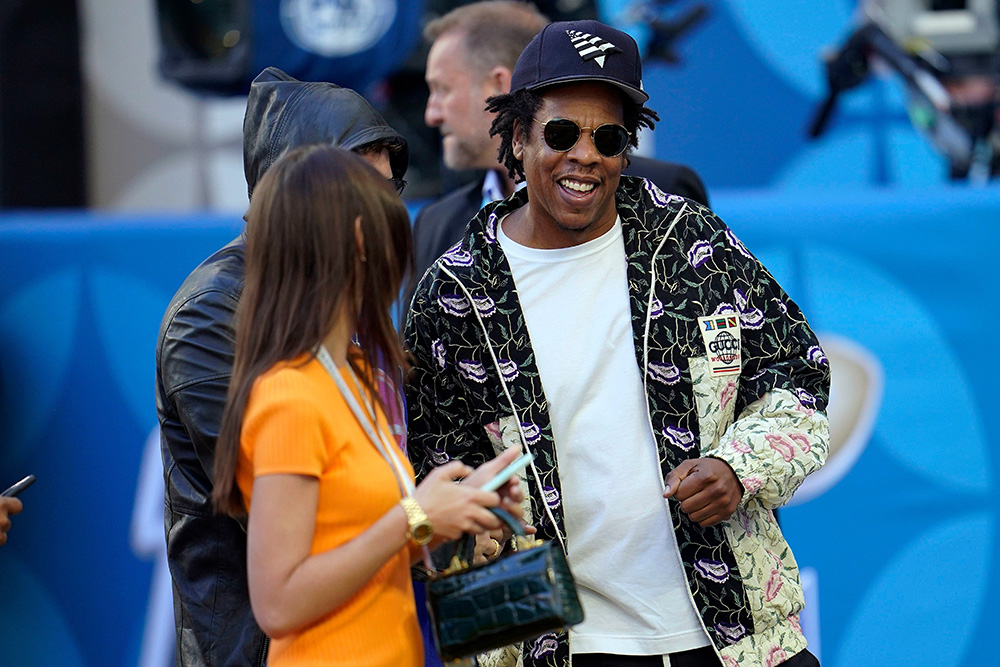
721,334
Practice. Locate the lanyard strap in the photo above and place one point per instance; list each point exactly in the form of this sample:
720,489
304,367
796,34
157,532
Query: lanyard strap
368,421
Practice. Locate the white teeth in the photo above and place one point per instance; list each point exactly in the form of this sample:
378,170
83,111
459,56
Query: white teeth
579,187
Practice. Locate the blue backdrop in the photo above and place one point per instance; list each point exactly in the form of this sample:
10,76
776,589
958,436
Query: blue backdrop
898,540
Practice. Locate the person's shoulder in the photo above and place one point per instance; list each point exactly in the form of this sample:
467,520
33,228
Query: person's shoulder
456,200
441,289
670,177
220,276
292,395
645,206
211,291
197,333
438,272
299,380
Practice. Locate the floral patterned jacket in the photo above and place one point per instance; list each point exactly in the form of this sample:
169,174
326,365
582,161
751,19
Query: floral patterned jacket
475,390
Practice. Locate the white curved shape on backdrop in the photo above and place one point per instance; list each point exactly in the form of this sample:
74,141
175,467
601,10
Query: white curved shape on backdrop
856,387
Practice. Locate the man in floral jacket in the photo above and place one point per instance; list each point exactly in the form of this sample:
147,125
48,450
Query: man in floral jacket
672,393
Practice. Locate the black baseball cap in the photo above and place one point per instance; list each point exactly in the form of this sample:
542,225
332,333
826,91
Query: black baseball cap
572,51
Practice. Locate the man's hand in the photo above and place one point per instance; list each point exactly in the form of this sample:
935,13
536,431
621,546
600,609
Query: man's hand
490,545
511,498
8,506
706,488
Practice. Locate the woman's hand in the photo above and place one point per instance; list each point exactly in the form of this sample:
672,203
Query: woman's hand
454,509
8,507
489,545
511,492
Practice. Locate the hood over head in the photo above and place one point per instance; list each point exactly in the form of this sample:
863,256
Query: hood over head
284,113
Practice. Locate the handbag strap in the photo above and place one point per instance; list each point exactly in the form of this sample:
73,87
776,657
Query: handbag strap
367,420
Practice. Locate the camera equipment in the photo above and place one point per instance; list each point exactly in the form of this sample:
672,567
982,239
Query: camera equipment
664,32
219,46
948,54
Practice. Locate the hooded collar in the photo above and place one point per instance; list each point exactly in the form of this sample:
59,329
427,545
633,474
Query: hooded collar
284,113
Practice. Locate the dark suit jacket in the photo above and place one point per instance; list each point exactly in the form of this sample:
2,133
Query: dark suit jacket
440,224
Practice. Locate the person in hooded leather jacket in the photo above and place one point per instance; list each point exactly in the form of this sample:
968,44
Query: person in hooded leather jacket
194,355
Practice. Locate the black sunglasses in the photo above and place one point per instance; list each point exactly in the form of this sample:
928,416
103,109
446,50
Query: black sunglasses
561,135
398,183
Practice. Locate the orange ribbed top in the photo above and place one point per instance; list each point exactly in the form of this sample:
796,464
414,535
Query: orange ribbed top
297,422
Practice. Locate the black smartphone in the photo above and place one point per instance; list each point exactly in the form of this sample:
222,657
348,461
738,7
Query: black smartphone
18,487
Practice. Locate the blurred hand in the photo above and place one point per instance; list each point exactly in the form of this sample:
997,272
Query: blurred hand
8,507
489,545
453,508
511,494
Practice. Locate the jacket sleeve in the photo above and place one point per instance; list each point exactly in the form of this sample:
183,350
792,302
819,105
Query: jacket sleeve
440,423
773,445
196,362
780,433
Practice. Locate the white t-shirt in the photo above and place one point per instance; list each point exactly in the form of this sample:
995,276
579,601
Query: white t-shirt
621,545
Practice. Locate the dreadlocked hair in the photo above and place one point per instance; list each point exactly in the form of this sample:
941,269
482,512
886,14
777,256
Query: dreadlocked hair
524,104
634,117
518,106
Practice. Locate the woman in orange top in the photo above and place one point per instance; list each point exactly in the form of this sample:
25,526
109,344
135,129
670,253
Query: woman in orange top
334,519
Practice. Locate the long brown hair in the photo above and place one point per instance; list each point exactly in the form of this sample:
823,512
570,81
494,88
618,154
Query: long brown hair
302,269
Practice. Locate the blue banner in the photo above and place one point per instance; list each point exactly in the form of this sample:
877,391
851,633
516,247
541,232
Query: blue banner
352,44
896,536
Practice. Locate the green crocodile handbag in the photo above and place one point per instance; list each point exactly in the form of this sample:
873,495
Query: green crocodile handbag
522,594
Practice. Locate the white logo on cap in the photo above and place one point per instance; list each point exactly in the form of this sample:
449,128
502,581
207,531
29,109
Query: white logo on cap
591,47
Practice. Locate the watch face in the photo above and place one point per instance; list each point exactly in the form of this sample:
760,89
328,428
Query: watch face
422,533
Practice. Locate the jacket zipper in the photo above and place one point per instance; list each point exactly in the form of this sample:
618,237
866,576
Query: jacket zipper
262,656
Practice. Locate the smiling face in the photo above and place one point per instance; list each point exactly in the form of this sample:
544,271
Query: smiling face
456,106
571,195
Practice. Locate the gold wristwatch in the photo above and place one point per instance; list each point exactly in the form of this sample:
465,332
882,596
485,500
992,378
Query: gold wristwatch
420,529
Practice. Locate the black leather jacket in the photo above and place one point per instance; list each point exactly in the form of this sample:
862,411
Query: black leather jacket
194,358
206,553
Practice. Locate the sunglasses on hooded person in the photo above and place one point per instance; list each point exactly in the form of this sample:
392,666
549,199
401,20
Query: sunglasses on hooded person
561,135
399,184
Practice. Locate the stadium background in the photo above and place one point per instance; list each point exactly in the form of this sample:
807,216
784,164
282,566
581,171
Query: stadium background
890,261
